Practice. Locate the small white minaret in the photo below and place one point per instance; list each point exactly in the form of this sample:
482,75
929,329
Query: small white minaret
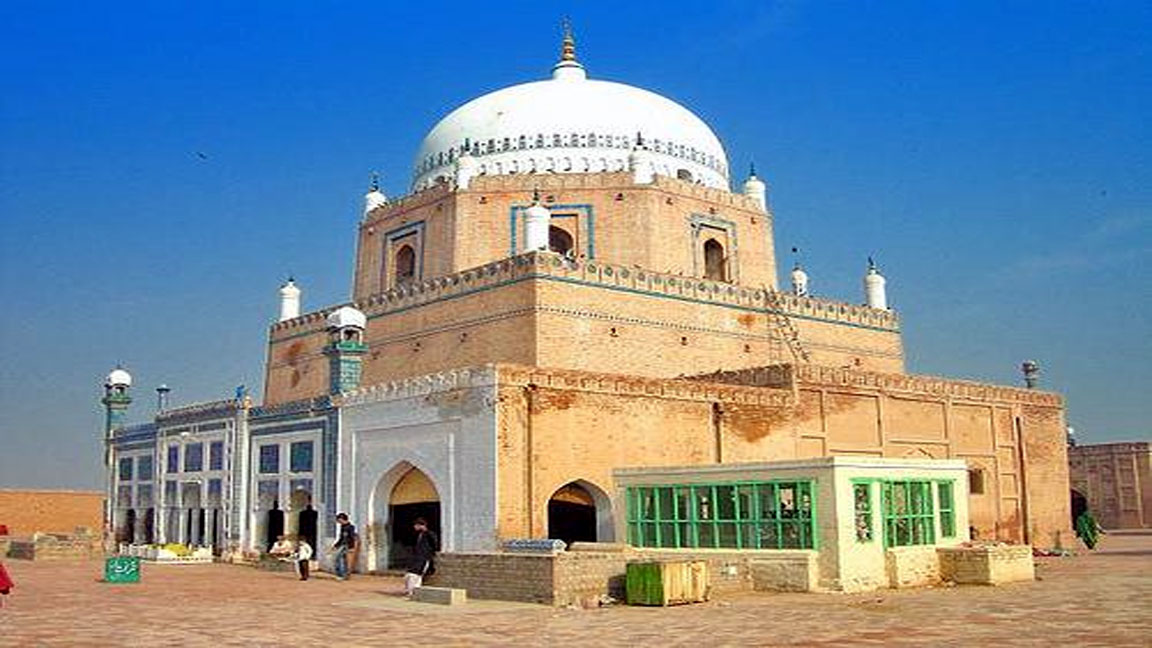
466,167
289,300
537,220
375,198
755,189
874,292
640,162
799,281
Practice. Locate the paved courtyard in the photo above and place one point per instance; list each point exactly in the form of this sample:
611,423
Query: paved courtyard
1097,599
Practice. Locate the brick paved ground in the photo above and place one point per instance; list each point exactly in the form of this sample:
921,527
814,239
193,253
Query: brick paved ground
1104,599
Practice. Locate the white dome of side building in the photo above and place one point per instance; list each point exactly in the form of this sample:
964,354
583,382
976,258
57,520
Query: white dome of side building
571,124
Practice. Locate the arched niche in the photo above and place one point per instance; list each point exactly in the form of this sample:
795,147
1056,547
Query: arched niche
580,511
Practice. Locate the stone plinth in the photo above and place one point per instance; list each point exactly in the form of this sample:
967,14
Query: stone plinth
912,566
987,565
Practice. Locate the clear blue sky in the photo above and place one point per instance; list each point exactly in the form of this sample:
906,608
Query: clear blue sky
996,158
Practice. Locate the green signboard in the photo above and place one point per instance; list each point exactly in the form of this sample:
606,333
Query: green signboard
122,569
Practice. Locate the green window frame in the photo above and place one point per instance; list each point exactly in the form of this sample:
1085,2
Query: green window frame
728,515
908,513
862,510
947,503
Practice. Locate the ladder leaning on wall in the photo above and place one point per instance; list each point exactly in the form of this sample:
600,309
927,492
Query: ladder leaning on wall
780,323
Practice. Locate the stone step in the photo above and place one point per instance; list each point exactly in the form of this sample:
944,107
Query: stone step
440,595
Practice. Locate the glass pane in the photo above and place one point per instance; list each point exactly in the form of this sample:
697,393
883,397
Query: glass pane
668,534
706,534
664,497
749,538
769,536
683,503
301,456
144,468
769,508
269,458
790,535
786,494
170,493
745,501
216,456
687,534
725,503
727,534
126,469
124,497
268,493
704,506
194,457
173,458
144,496
215,491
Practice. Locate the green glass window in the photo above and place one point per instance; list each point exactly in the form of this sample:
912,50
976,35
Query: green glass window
908,515
947,509
742,515
862,502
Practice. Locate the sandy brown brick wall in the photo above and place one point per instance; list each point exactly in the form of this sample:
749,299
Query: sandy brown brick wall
28,511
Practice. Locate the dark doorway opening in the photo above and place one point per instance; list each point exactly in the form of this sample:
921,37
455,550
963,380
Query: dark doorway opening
129,533
308,525
1079,505
275,526
402,536
572,515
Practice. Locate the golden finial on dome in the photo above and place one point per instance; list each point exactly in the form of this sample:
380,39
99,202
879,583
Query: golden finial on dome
568,45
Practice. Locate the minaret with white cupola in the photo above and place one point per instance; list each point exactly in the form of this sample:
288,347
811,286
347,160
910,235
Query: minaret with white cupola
799,281
537,221
755,188
346,348
466,166
289,300
875,294
640,162
375,198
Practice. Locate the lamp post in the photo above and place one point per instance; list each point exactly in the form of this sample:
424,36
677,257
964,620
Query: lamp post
1031,370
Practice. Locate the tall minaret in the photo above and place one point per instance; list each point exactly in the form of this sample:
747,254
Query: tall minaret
874,291
116,401
289,300
345,348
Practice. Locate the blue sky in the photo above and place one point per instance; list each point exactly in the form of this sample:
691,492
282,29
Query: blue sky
995,157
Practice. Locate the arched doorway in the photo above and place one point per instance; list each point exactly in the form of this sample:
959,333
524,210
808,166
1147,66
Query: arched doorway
714,262
414,496
580,512
405,264
1079,505
559,240
274,527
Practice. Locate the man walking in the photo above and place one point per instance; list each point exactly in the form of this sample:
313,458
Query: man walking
345,544
423,556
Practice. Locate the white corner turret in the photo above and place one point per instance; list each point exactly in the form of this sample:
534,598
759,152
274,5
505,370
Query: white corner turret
347,317
466,167
375,198
640,162
537,220
799,281
289,300
118,377
875,293
755,189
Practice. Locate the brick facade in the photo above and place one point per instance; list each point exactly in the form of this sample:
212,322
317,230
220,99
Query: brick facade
1116,481
25,512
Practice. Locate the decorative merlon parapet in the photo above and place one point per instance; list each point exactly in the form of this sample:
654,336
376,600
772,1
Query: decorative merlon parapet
565,379
141,430
406,203
780,376
226,407
317,404
433,383
548,265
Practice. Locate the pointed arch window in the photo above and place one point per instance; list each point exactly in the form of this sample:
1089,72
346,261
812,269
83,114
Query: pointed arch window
405,268
714,261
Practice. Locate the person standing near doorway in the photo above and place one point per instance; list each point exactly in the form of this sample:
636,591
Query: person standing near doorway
303,557
423,556
345,544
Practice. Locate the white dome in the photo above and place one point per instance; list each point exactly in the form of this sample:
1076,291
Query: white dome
347,316
571,124
118,377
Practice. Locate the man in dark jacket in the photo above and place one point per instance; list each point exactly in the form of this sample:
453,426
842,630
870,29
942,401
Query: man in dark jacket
345,544
423,556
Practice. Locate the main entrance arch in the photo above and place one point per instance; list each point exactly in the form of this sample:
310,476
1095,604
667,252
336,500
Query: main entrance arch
580,512
402,495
